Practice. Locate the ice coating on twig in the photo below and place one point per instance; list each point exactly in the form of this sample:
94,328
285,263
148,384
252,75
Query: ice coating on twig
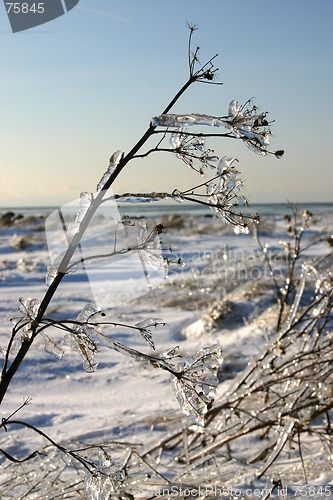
144,327
223,197
243,122
51,274
82,340
85,202
107,477
150,247
196,383
224,164
177,196
114,161
173,120
29,308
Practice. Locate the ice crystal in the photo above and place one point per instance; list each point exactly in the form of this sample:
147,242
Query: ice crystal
100,486
196,382
114,161
146,323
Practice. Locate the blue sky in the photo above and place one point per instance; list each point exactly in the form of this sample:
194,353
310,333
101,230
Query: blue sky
86,84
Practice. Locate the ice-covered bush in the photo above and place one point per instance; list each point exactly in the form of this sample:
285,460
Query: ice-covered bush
283,392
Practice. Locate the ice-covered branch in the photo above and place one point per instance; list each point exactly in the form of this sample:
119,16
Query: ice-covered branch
243,122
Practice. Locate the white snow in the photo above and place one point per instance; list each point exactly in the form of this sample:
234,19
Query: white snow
215,300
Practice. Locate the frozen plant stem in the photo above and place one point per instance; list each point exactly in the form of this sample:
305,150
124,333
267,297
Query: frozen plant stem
9,372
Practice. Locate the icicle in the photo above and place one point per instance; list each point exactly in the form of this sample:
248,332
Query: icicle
52,347
51,274
285,434
175,140
234,108
85,202
297,299
114,161
146,323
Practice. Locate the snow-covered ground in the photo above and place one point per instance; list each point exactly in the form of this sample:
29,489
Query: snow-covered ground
223,296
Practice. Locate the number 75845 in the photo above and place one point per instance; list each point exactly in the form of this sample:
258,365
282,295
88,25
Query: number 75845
25,8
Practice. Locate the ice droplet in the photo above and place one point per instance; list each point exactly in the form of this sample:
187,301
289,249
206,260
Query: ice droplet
241,229
177,196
